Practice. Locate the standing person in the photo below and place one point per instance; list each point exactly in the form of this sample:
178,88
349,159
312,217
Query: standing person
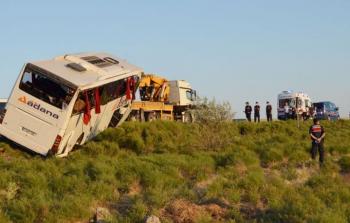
312,112
268,111
257,112
294,113
317,134
248,111
286,110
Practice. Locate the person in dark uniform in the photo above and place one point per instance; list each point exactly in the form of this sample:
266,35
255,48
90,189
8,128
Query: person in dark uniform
294,113
312,112
317,134
268,111
248,112
257,112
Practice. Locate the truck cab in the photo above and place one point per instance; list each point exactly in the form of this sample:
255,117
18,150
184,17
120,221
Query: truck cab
326,110
181,93
164,100
183,98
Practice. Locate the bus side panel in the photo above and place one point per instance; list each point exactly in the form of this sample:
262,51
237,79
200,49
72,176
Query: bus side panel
78,132
105,119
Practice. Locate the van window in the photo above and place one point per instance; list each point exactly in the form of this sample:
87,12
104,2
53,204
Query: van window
300,102
283,102
333,107
319,106
38,84
293,102
307,103
328,106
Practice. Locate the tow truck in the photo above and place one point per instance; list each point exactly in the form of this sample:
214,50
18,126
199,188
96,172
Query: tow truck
161,99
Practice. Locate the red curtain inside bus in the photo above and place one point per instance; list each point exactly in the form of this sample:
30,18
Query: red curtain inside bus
130,88
97,101
87,112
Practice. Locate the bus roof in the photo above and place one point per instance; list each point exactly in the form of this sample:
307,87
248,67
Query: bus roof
83,70
3,100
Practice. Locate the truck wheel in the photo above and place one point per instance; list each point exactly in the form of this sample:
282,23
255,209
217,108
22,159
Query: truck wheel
151,116
188,118
158,116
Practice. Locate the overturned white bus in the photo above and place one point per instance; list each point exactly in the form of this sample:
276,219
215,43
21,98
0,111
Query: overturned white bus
56,104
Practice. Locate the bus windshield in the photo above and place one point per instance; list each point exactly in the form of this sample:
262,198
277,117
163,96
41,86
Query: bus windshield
37,83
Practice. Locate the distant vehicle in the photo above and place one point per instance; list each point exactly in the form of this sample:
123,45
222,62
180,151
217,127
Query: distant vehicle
2,104
298,103
326,110
56,104
163,100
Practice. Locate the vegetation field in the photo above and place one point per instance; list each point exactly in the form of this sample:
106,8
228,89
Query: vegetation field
220,172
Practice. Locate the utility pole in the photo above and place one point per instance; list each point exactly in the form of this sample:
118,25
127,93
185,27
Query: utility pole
297,112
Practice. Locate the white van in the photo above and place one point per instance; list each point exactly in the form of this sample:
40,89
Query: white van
295,102
56,104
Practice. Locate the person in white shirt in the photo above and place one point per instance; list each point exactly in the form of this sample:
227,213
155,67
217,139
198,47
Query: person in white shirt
286,110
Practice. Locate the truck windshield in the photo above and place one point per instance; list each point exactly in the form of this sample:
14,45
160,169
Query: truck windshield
37,83
191,95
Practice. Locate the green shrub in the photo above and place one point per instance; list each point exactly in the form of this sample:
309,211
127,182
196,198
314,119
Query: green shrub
344,163
254,172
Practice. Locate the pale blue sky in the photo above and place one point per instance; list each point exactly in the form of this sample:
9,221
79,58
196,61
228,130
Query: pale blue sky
232,50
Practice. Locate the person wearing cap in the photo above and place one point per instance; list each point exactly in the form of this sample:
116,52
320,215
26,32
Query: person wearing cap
268,111
317,135
257,112
248,111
